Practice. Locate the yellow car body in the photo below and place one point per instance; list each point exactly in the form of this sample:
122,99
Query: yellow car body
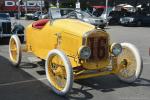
72,33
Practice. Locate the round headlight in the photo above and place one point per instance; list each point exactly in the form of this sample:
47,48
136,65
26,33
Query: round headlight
116,49
84,52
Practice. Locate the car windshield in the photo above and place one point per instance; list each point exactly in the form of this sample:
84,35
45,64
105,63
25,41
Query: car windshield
37,13
4,16
78,14
85,14
56,13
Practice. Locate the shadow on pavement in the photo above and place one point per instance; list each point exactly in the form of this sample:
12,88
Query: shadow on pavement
15,84
109,83
29,88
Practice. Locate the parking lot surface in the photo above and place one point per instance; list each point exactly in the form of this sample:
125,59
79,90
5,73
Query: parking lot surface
28,82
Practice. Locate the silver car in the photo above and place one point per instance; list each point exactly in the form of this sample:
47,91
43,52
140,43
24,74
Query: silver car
87,17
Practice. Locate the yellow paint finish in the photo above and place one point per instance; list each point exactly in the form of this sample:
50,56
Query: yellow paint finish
84,76
96,64
73,26
70,31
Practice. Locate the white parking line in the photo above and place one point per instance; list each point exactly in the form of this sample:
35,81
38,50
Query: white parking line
146,57
146,63
20,82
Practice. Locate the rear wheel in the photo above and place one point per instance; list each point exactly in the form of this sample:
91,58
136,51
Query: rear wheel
15,50
129,63
59,72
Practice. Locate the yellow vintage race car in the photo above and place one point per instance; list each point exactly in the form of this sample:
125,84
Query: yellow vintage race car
74,50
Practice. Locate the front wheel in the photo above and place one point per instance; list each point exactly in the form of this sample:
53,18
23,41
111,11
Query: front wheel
129,63
59,72
15,50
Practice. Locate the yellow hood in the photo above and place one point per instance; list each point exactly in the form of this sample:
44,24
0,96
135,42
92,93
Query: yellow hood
73,26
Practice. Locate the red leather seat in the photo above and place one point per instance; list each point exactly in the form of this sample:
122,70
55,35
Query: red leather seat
40,23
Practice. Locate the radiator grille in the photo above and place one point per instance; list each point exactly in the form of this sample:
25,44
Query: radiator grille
99,47
6,27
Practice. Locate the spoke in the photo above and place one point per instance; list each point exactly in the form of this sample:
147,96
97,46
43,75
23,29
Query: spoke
12,49
57,72
128,70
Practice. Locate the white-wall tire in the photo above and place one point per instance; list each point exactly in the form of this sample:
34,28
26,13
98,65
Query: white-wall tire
15,50
137,61
68,69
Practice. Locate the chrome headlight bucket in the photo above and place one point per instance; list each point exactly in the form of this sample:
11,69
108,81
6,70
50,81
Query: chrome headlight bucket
84,52
116,49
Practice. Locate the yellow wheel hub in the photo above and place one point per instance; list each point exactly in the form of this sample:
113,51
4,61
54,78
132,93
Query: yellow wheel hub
13,50
57,72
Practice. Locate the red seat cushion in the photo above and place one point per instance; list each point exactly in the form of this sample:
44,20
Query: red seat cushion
40,23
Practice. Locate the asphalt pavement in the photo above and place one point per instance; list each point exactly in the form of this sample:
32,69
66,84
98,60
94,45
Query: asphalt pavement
28,82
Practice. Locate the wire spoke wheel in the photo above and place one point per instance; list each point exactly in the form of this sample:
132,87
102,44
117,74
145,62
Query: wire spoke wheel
15,50
129,63
59,72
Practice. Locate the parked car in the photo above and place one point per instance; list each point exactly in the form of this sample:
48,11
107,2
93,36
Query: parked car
87,17
116,15
43,16
33,16
73,49
136,20
6,29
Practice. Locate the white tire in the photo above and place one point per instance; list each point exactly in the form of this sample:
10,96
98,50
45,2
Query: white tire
68,70
134,65
15,50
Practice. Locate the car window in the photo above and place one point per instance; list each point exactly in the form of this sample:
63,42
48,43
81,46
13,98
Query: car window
55,13
83,14
4,16
65,11
79,15
112,13
38,12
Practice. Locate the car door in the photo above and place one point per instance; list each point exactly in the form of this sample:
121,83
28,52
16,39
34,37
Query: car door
148,19
145,18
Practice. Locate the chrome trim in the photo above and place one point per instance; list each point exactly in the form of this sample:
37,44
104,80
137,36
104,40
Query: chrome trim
96,32
80,49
